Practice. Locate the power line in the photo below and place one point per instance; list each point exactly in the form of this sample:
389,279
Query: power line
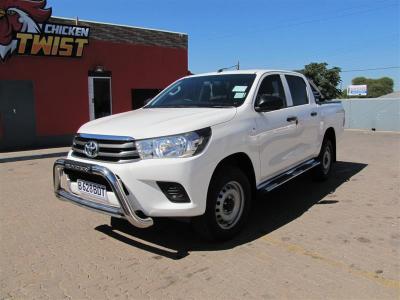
342,13
372,69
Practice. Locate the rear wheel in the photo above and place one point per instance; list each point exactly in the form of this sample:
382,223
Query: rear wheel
326,159
228,205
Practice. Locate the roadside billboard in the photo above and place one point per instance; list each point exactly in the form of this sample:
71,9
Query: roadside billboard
357,90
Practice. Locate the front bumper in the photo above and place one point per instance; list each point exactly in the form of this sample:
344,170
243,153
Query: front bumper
126,207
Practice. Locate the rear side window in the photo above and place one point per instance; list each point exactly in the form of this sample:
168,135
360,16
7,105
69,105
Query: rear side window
298,89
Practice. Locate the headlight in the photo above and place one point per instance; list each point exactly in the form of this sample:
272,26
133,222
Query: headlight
181,145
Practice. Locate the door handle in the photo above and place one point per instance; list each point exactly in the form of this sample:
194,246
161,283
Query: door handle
292,119
314,113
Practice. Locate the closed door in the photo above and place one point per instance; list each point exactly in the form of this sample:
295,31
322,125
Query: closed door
100,101
307,117
274,132
17,114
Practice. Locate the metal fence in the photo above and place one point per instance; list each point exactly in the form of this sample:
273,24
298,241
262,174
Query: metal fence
373,113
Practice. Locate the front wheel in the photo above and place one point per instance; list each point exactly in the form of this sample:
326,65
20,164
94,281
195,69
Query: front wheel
228,205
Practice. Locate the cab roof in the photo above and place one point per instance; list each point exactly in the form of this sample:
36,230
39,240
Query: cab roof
252,71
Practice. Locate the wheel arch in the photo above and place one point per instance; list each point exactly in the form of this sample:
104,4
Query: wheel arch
243,162
331,135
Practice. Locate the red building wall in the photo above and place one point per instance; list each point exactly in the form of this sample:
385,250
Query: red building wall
61,84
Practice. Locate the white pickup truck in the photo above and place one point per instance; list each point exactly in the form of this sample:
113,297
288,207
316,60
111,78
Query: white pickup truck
201,149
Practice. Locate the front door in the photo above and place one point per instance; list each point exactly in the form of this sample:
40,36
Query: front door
276,134
17,114
100,101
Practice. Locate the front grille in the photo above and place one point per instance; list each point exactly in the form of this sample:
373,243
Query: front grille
110,148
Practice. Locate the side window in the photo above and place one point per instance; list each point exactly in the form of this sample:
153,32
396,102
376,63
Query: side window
298,89
272,86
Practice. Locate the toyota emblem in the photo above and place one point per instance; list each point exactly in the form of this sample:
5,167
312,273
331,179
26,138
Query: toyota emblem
91,149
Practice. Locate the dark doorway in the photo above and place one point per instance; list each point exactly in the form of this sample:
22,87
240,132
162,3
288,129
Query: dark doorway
17,114
139,96
100,97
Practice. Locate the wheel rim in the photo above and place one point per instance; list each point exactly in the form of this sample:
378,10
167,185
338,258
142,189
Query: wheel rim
327,159
229,205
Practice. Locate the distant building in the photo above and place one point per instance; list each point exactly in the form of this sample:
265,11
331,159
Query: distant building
66,72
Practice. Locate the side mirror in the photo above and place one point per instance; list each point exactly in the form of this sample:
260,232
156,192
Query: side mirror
268,103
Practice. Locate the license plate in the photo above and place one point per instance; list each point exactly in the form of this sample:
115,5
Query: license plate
92,189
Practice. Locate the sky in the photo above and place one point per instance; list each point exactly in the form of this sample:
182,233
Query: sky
271,34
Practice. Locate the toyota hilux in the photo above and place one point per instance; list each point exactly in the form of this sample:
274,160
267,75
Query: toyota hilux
201,149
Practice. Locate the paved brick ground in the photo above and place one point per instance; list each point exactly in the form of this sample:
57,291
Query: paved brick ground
336,240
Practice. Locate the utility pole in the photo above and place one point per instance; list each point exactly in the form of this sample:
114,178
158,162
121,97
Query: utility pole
238,66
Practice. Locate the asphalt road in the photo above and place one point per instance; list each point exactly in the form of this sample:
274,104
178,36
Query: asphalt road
336,240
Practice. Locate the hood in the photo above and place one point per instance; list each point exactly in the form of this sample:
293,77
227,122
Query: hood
155,122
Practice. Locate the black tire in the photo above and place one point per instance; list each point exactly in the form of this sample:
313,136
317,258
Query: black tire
119,223
228,205
326,158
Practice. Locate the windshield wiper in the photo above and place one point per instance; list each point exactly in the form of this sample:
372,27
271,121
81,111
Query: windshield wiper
190,106
173,106
220,106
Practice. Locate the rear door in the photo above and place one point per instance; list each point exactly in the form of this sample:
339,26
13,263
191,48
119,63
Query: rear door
276,135
306,113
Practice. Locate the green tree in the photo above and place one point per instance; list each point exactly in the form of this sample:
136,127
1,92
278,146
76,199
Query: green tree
344,94
375,87
326,79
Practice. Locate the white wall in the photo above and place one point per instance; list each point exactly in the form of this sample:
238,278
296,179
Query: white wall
379,113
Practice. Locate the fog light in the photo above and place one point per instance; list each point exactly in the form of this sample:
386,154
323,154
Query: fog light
174,191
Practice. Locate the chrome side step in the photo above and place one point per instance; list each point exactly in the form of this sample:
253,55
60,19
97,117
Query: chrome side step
276,181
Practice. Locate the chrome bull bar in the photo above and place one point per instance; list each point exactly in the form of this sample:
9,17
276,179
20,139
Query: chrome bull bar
126,210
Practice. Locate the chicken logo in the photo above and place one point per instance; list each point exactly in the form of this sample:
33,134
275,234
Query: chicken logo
24,30
19,16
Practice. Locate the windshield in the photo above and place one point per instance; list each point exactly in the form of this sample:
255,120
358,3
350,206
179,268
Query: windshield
206,91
